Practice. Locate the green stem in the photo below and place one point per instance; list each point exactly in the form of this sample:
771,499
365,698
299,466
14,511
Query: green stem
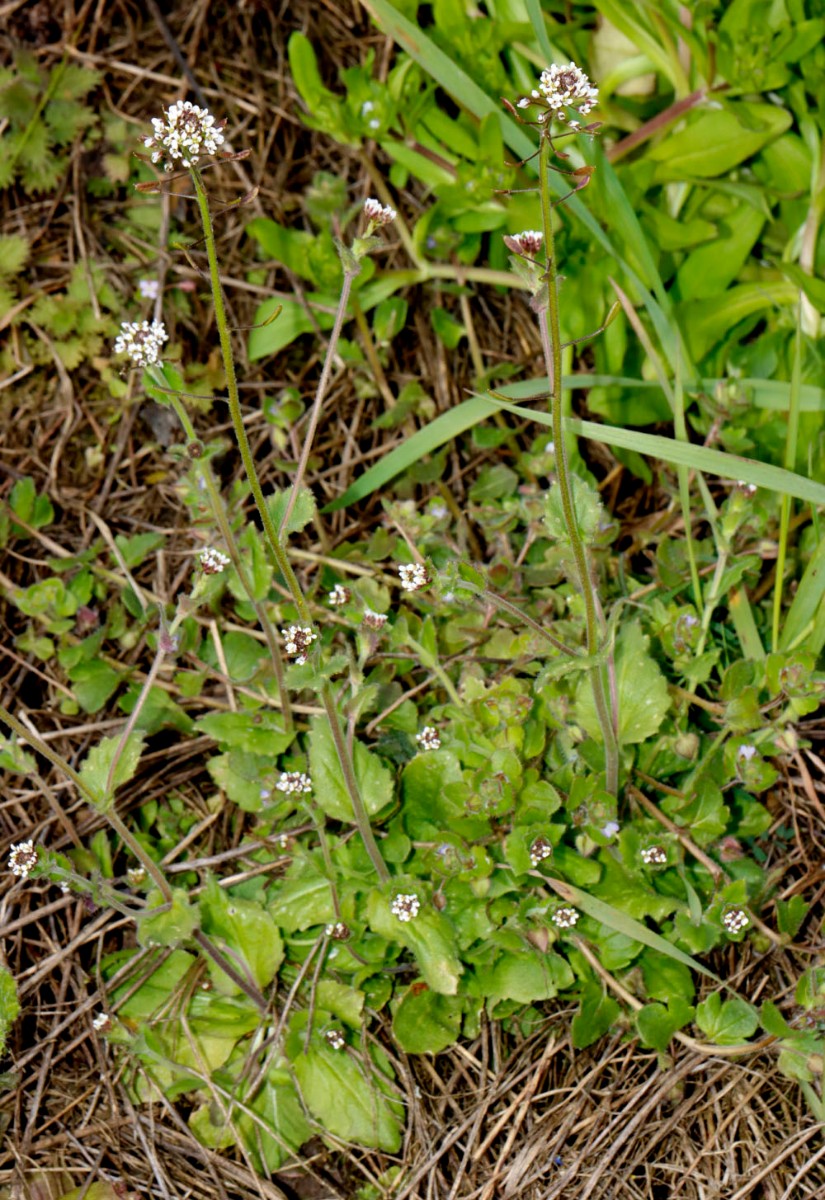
276,546
233,397
205,471
318,405
549,327
91,799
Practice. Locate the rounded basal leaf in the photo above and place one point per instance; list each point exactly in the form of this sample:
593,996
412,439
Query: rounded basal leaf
374,780
642,691
426,1023
726,1022
528,976
249,934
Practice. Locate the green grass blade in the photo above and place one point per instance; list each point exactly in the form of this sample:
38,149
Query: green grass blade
791,442
479,408
613,918
539,28
810,596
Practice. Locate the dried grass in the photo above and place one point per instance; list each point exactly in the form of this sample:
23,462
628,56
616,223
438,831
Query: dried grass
503,1117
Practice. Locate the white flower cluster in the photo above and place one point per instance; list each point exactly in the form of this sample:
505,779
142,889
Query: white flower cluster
374,620
428,738
654,856
563,87
378,213
413,576
565,918
339,595
735,920
366,108
297,640
335,1038
22,858
540,850
338,931
183,134
141,341
213,561
102,1021
294,781
528,243
405,906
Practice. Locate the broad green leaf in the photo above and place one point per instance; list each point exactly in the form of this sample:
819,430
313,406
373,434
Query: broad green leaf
430,938
302,513
241,776
341,1096
710,269
256,732
726,1022
706,322
529,976
343,1001
94,771
665,978
93,683
374,780
597,1012
425,1022
172,924
714,141
242,655
155,990
303,899
285,1127
284,245
643,696
247,931
657,1024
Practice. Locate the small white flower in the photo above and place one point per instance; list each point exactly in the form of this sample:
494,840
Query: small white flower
141,341
610,829
374,620
376,124
540,850
338,931
149,288
746,752
297,640
565,918
524,102
413,576
378,213
213,561
428,738
528,243
335,1038
405,906
567,87
749,489
102,1021
294,781
339,595
735,920
550,448
136,876
366,108
439,511
183,134
65,887
22,858
654,856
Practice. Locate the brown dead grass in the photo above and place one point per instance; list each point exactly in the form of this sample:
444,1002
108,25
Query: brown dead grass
503,1117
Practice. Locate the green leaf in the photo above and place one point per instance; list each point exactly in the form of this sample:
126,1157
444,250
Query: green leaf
665,978
447,329
14,253
9,1005
710,269
249,933
93,683
657,1024
242,655
597,1012
343,1001
345,1100
643,695
285,1129
94,771
430,937
726,1022
425,1022
302,514
241,775
303,899
528,976
715,141
135,549
374,780
255,732
808,601
174,923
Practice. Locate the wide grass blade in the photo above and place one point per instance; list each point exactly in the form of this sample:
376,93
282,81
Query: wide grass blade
791,442
471,412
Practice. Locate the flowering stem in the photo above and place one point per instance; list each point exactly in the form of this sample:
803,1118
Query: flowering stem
219,511
278,552
320,393
272,535
549,327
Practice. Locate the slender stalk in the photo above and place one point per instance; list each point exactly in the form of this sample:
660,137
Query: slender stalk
549,327
233,397
318,404
95,801
228,535
279,553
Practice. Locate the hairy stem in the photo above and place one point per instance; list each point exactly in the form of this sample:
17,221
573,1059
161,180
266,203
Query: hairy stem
551,341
